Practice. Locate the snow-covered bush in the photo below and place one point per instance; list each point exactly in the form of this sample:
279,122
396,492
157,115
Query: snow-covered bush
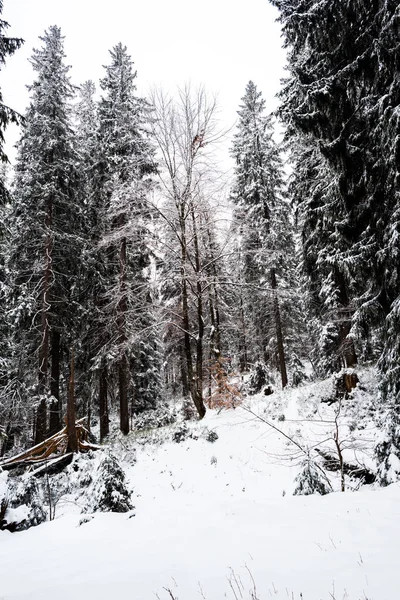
108,492
189,412
153,419
387,452
181,433
311,480
298,371
25,502
211,436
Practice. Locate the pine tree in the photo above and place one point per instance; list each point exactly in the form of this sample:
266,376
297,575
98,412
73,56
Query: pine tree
263,225
128,164
45,245
93,272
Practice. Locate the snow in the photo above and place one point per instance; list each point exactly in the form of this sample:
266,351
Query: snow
211,517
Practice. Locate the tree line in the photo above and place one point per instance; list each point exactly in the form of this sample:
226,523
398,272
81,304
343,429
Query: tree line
116,248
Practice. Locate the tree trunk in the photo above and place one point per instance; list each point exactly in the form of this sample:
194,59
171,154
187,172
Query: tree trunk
55,408
103,403
123,363
71,416
278,328
41,413
198,402
184,376
215,336
346,350
242,342
123,395
200,318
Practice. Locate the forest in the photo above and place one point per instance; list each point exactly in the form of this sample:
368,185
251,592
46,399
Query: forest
137,275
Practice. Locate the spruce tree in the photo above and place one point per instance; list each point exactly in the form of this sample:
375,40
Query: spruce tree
127,158
343,92
7,115
45,245
326,280
263,226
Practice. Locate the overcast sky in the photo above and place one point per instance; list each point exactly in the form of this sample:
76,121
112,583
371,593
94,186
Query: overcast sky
219,43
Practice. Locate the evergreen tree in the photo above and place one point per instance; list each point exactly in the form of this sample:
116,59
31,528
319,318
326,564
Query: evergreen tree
45,245
326,280
93,271
128,163
263,225
343,92
7,115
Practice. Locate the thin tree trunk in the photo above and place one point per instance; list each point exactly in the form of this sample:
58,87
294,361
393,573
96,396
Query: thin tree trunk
198,402
123,395
103,403
278,328
71,415
215,337
123,363
55,408
200,318
184,376
41,413
215,340
243,359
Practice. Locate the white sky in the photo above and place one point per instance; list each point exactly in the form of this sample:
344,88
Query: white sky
219,43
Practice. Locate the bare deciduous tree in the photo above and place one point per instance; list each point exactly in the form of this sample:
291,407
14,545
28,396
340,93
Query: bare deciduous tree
186,131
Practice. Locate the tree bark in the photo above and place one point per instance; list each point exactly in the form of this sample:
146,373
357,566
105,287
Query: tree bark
184,376
346,350
71,414
198,402
41,413
278,328
123,395
103,403
123,363
200,318
55,408
215,336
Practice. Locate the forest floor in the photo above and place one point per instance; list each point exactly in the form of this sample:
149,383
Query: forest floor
215,520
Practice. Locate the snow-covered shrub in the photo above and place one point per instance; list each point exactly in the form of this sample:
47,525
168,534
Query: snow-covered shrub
189,412
211,436
181,433
311,480
153,419
26,502
258,378
108,492
387,452
298,371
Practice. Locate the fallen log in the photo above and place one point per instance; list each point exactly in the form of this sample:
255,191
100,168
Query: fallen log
56,445
331,463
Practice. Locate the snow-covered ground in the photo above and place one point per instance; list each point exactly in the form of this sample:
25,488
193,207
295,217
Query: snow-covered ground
218,520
